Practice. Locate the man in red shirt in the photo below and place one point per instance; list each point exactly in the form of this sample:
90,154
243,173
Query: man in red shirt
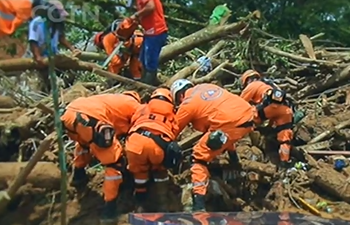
151,17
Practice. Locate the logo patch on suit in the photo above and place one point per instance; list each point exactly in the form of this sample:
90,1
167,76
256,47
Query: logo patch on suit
210,95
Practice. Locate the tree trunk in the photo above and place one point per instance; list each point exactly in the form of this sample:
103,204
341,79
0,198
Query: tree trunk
200,37
331,181
44,175
63,62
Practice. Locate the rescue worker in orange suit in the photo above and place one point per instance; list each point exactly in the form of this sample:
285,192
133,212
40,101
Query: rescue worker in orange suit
129,53
15,13
151,147
95,123
271,104
222,116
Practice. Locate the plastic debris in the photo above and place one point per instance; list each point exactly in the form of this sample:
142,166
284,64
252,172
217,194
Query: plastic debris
205,64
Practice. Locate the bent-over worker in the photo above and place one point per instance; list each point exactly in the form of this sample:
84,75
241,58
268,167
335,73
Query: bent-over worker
151,147
95,123
129,53
271,104
222,116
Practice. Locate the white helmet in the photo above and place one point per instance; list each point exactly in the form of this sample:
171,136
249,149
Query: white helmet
177,86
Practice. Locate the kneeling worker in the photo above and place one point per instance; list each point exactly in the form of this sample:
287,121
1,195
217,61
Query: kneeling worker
271,104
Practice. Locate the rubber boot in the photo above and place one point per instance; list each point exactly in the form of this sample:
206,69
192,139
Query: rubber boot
109,212
198,203
162,189
79,177
140,198
284,165
150,78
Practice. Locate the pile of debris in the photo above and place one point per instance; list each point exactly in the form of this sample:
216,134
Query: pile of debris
314,76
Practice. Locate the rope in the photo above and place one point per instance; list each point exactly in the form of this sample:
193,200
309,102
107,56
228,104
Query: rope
58,124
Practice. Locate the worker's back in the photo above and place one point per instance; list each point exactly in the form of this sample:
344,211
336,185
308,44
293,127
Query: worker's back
211,106
118,108
90,106
158,117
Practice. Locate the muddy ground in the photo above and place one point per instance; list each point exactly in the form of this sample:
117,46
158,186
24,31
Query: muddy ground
259,188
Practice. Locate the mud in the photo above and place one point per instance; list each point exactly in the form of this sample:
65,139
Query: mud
256,186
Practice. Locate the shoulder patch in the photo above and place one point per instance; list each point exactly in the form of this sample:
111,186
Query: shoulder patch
212,94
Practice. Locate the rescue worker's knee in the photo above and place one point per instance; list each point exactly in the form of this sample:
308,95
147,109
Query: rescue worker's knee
141,181
111,184
135,162
160,175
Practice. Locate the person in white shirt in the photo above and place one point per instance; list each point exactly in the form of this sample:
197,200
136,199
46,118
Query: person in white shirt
38,48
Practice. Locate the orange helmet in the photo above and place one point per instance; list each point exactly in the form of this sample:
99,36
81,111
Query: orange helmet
98,39
248,75
162,94
133,94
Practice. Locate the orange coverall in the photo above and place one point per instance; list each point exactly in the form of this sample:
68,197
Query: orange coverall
209,107
106,110
110,41
13,14
142,152
281,116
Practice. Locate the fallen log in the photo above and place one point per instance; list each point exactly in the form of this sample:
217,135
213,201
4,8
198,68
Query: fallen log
261,168
340,152
247,165
7,102
23,172
331,181
330,132
124,80
86,56
299,58
188,142
328,82
44,175
62,62
200,37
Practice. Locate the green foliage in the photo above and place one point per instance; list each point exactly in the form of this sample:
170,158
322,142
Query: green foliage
285,18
